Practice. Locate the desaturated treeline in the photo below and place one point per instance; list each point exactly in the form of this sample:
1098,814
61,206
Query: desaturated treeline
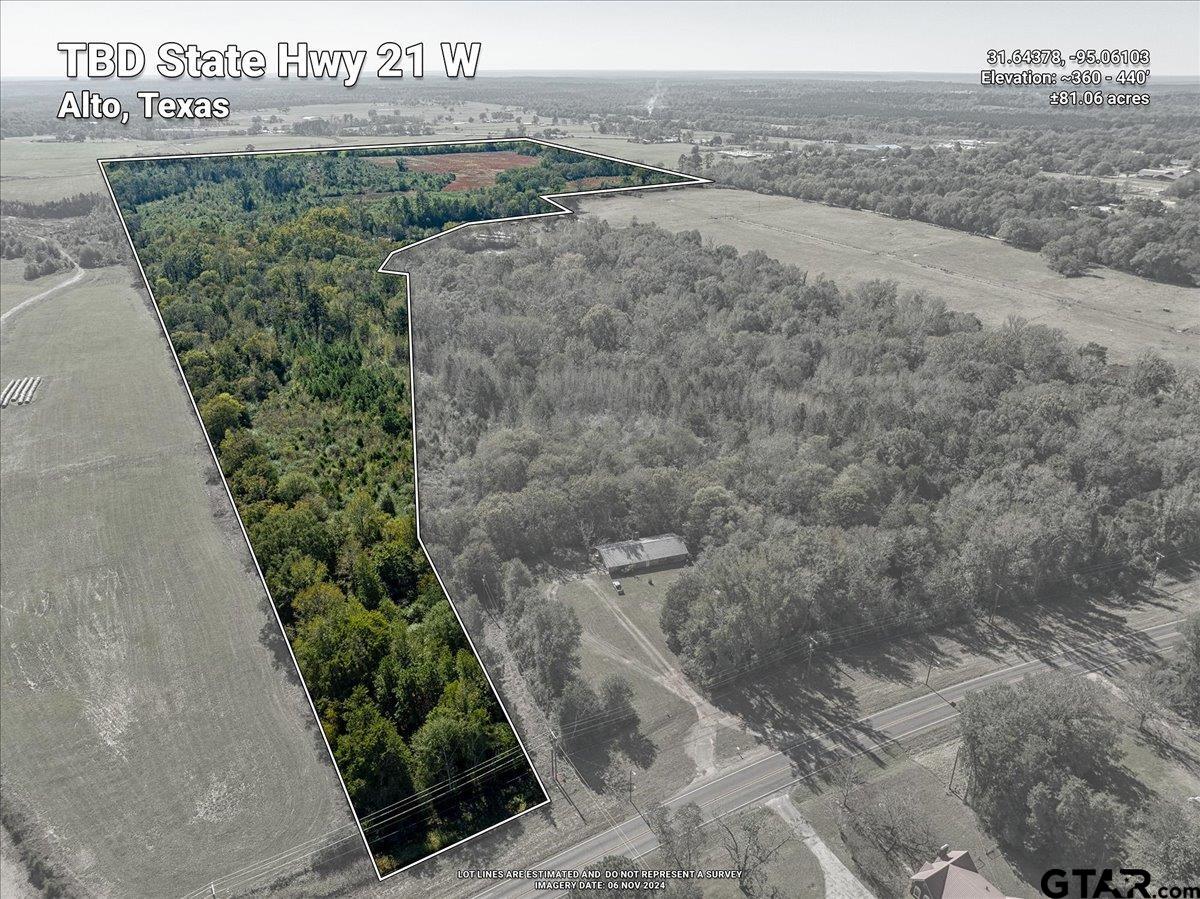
839,458
799,107
1056,798
68,207
264,269
994,190
748,108
85,226
41,257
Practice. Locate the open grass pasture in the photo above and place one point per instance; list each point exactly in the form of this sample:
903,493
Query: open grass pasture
973,274
14,289
155,735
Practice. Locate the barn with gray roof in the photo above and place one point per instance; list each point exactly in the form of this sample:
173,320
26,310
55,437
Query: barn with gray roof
644,554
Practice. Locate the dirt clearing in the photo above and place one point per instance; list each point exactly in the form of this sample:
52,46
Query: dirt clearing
471,170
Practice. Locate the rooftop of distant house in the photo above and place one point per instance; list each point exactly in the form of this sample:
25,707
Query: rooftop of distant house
952,875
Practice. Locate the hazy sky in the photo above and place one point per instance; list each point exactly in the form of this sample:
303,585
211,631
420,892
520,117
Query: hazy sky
692,36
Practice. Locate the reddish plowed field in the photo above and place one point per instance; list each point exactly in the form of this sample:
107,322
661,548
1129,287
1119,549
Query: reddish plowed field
470,170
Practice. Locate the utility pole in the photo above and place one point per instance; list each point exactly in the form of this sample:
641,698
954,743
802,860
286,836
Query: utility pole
954,767
929,670
555,777
631,786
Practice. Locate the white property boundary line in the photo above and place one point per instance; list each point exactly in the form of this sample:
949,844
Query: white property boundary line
558,210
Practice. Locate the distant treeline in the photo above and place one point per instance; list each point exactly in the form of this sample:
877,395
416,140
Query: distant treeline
442,149
859,110
1075,222
69,207
85,226
840,460
754,108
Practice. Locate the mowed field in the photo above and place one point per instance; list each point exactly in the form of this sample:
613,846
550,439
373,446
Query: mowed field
622,635
1125,313
154,733
15,290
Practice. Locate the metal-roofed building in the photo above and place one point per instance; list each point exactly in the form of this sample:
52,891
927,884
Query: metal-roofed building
1165,174
645,554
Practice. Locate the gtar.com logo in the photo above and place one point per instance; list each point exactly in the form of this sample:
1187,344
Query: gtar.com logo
1121,883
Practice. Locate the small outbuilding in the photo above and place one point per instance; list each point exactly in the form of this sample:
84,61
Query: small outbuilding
645,554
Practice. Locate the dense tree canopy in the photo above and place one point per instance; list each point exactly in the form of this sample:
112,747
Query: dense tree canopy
1039,756
840,460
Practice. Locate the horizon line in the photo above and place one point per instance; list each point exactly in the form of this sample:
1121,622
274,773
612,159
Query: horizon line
919,74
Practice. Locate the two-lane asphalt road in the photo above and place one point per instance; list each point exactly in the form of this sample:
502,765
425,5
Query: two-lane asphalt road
770,772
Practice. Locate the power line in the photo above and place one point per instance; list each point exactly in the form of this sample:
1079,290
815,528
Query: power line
790,746
422,801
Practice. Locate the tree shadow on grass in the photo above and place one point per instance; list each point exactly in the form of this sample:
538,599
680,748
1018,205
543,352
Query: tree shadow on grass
907,659
1124,784
1185,754
807,713
591,762
271,637
638,748
276,643
1122,647
1038,631
1052,630
345,858
593,759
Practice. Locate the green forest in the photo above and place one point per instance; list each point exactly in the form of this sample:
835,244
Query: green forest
296,351
843,460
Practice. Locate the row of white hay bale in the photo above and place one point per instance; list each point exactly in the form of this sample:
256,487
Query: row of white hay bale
19,391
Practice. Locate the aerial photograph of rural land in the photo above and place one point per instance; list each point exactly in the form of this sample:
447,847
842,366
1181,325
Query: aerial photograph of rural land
693,450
